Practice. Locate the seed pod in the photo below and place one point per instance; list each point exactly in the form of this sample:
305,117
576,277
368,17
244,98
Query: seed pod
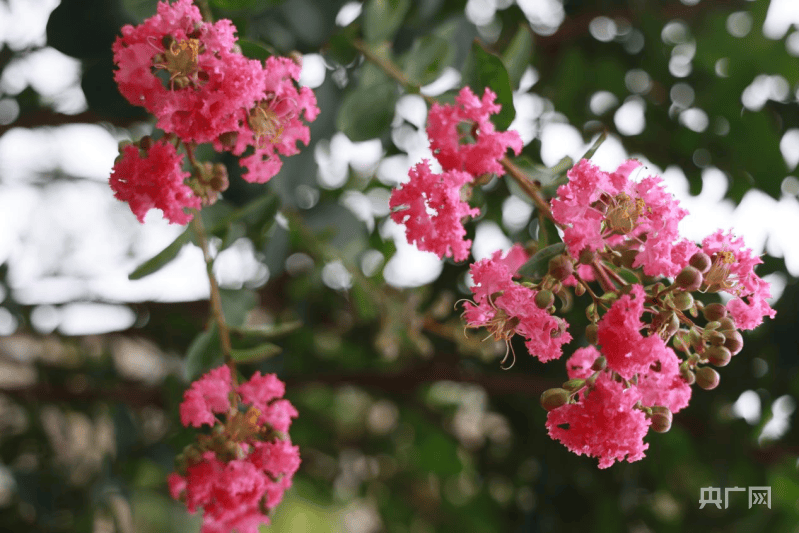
707,378
554,398
718,355
560,267
599,364
591,333
700,261
714,311
573,385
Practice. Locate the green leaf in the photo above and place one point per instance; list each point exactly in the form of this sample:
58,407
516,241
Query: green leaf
628,275
236,305
484,69
258,353
428,58
366,113
203,353
594,147
273,331
537,266
234,232
162,258
518,54
254,50
383,18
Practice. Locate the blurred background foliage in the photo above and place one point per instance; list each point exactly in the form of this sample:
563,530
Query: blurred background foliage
407,425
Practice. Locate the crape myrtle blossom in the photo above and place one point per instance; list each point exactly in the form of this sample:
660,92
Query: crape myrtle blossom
192,77
242,469
597,208
732,270
430,207
507,308
154,179
449,126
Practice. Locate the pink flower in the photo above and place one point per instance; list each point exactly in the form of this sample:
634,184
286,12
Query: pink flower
273,123
602,424
482,156
260,390
205,84
441,231
276,458
506,308
579,364
619,334
154,181
596,208
733,270
279,414
207,395
662,384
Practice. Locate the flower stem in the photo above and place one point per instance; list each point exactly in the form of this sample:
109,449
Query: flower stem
216,298
529,187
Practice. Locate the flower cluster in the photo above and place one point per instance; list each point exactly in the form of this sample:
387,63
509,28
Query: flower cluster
241,470
629,379
191,76
467,146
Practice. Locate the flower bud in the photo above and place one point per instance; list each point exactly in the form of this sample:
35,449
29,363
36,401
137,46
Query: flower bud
714,311
628,258
544,299
586,256
560,267
683,300
687,374
661,419
707,378
734,342
591,333
718,355
219,178
599,364
689,279
726,324
670,323
700,261
146,142
228,139
715,338
573,385
682,341
554,398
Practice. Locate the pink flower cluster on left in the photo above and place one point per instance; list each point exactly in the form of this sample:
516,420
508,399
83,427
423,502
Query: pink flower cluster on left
241,470
189,74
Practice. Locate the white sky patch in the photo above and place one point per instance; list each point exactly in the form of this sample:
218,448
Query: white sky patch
489,238
781,15
313,71
348,13
409,267
747,406
23,22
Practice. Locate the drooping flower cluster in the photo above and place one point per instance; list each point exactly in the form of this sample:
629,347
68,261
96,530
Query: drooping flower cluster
466,144
507,308
189,74
630,379
241,470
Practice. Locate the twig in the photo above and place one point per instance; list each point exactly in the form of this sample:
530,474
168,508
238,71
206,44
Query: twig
532,191
216,299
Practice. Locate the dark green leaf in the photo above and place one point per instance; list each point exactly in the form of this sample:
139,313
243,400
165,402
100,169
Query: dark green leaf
366,113
427,59
484,69
518,54
162,258
258,353
628,275
203,353
537,266
382,18
254,50
236,304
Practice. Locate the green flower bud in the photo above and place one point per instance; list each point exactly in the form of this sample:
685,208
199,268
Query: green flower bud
718,355
554,398
586,256
628,258
700,261
683,300
715,338
727,324
560,267
661,419
544,299
714,311
591,333
707,378
599,364
573,385
146,142
687,374
734,342
689,279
